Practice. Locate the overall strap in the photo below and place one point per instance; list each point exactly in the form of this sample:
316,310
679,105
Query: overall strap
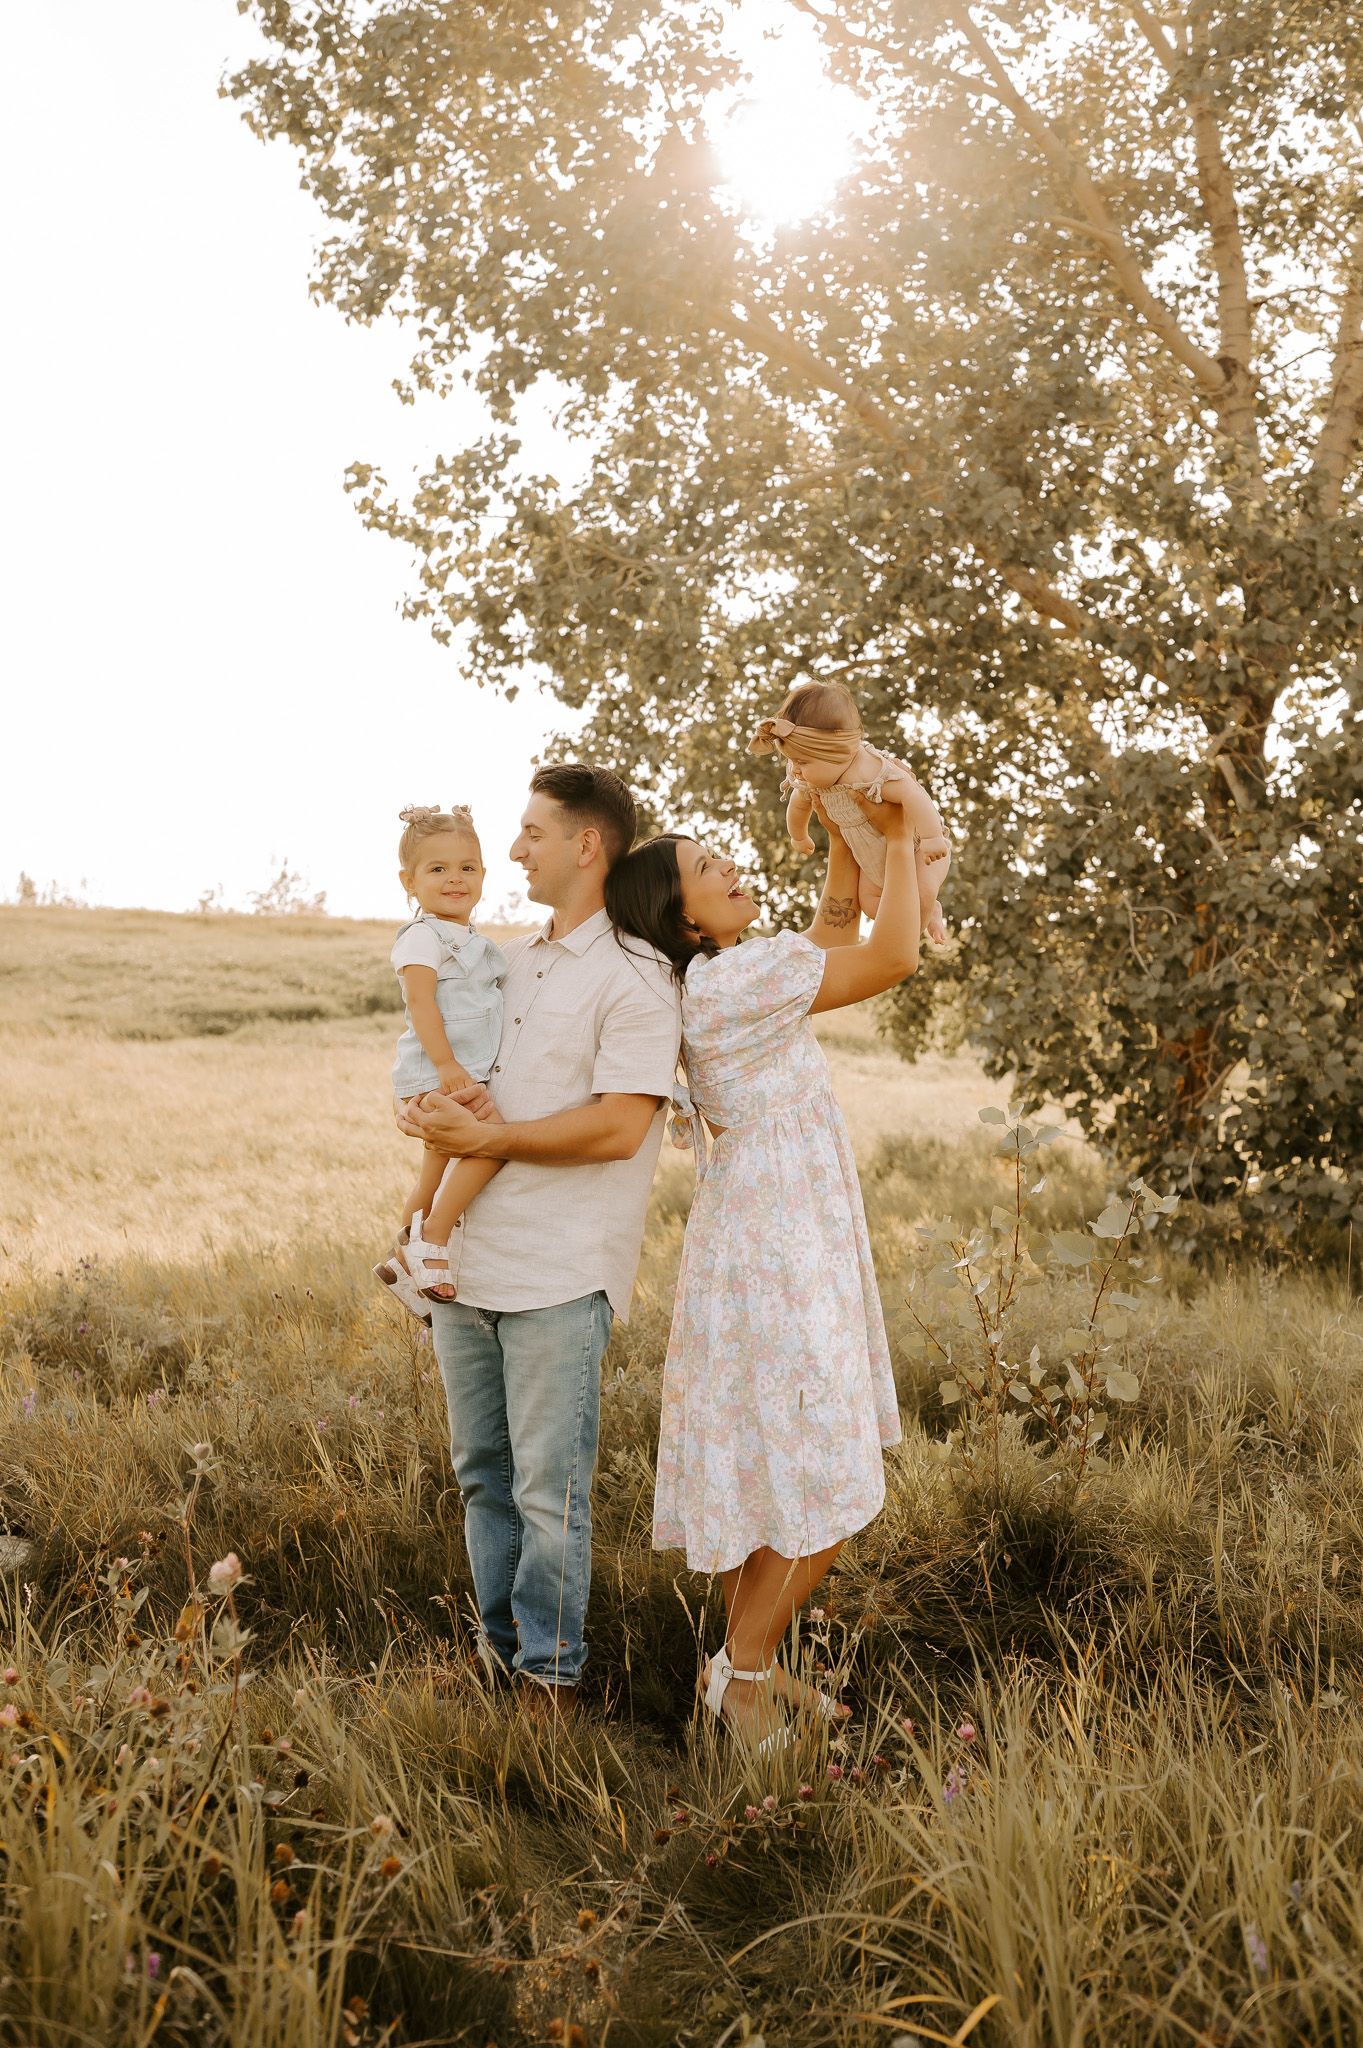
447,946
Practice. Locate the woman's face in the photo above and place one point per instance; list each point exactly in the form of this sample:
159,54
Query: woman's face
712,897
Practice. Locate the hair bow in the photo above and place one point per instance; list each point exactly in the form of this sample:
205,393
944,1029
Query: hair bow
769,735
806,742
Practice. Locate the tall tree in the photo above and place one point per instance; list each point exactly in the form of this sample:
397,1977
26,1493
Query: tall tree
1045,436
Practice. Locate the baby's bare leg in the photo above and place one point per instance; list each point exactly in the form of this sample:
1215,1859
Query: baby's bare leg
869,894
932,858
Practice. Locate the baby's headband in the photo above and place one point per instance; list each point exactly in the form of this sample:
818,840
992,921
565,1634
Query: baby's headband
804,742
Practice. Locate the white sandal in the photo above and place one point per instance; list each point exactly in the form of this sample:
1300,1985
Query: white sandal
719,1672
429,1265
399,1282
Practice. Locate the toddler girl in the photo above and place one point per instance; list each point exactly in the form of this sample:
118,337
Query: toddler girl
818,734
451,983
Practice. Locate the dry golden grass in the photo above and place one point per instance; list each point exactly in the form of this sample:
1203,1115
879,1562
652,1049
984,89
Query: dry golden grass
175,1086
1128,1808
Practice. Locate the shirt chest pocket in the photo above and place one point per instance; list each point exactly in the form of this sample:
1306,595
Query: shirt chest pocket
558,1050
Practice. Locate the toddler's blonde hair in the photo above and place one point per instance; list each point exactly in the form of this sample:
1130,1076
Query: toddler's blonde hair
423,821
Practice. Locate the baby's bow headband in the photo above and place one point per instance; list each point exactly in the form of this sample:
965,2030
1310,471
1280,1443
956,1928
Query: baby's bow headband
811,742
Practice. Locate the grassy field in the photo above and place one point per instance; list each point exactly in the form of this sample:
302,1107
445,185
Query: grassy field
1104,1784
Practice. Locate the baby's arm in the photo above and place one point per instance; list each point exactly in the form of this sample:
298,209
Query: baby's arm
418,985
798,812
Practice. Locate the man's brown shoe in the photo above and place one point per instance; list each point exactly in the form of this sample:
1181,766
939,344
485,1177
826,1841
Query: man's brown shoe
546,1702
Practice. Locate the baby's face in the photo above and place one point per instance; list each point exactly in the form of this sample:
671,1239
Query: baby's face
818,774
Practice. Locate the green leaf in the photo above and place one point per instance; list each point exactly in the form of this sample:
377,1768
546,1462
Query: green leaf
1122,1386
1113,1222
1072,1248
991,1115
950,1392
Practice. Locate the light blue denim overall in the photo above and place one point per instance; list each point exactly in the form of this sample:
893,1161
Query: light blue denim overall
468,995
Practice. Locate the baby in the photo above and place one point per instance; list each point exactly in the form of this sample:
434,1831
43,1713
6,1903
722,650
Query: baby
451,983
818,734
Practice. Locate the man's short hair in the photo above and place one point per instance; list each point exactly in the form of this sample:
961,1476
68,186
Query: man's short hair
591,796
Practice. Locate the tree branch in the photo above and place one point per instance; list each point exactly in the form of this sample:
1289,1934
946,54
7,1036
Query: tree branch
838,33
1207,371
1217,192
1343,424
1154,34
755,331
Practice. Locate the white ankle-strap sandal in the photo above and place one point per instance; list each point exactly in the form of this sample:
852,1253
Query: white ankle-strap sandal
400,1283
429,1265
719,1673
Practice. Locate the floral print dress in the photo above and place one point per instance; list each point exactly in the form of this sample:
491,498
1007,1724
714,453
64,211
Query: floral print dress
777,1390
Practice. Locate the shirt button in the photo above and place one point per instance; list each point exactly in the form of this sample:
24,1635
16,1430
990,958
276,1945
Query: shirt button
496,1070
540,975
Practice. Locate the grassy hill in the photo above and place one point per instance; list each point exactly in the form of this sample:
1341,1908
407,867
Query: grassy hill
1103,1785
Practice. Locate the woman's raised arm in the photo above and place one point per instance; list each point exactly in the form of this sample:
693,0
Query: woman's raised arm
836,920
890,954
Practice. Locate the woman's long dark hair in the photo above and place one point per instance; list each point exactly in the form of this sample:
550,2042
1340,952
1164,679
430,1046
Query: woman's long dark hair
644,901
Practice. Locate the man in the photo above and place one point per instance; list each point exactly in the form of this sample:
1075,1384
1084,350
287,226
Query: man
548,1252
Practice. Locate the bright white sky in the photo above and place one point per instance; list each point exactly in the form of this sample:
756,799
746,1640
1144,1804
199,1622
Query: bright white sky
204,667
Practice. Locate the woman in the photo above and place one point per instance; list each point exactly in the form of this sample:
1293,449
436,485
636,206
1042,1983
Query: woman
777,1390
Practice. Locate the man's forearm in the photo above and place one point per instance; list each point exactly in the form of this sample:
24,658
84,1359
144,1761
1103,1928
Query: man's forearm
571,1137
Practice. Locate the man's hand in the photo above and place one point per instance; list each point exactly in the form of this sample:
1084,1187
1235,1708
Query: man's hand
474,1098
446,1125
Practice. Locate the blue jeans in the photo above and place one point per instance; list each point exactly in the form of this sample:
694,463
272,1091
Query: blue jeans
524,1393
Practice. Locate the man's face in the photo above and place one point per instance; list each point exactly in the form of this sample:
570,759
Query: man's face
548,847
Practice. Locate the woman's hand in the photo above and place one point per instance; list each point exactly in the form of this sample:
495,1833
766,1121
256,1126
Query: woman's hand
821,812
892,821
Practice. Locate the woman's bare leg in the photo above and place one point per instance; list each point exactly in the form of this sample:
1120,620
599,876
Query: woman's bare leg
762,1597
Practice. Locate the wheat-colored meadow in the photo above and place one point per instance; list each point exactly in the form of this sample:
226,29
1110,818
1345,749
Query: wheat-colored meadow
1104,1784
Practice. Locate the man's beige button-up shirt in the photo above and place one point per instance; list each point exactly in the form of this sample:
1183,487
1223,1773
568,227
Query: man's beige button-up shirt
584,1017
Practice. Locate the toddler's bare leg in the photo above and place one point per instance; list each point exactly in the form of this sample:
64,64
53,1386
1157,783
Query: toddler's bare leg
869,894
465,1179
426,1186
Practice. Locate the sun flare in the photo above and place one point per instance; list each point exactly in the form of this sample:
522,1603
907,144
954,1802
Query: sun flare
785,146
